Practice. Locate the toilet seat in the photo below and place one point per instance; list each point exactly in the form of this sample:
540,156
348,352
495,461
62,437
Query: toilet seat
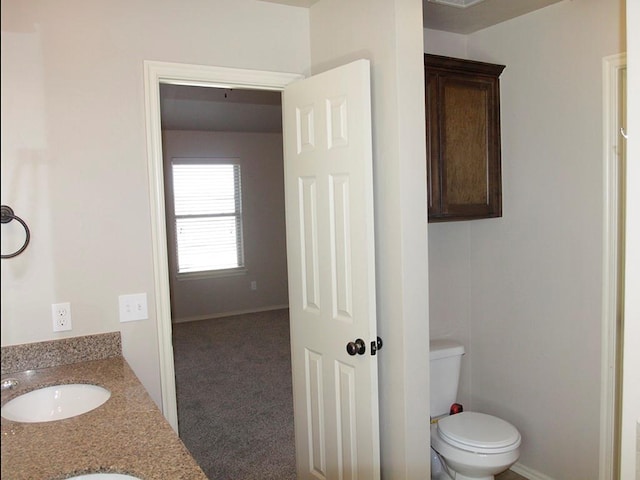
479,433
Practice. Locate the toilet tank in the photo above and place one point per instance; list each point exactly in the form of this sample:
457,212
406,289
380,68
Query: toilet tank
445,358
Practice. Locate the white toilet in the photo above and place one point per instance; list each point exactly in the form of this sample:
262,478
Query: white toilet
467,445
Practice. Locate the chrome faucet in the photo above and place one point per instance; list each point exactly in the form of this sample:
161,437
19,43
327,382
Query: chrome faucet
9,383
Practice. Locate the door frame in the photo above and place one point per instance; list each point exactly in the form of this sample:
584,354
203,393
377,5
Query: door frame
612,283
156,73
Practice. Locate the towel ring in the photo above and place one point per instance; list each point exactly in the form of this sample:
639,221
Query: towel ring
6,215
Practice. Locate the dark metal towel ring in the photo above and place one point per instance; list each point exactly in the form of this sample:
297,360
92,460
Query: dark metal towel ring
6,215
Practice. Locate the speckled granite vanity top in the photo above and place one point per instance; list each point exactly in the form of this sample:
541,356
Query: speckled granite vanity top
128,434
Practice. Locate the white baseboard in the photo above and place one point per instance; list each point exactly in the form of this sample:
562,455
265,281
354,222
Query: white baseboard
529,473
210,316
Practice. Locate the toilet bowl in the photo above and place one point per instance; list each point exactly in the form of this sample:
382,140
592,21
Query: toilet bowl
466,445
474,446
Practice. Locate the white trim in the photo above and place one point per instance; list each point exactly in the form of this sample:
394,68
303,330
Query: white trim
212,316
612,65
529,473
156,73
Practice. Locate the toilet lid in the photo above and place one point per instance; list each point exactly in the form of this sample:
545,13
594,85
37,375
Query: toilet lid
479,432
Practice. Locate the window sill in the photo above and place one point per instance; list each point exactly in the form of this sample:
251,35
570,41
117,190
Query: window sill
230,272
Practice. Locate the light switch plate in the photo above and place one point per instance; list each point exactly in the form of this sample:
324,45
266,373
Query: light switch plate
133,307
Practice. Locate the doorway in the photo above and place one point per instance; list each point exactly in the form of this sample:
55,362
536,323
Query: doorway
156,73
230,326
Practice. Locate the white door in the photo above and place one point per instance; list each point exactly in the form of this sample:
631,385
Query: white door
330,245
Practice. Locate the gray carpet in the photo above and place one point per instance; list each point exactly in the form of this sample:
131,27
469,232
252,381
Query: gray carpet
235,406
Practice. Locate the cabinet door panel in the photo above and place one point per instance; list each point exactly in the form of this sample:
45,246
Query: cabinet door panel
464,143
463,135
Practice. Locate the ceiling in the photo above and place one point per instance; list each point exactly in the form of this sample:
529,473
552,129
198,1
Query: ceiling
460,16
220,109
476,16
216,109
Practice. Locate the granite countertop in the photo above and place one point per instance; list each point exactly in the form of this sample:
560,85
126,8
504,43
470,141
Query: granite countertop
128,434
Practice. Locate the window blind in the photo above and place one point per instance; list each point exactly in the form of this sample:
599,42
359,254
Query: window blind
208,216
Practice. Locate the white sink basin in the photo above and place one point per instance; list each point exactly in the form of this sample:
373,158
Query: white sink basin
55,403
104,476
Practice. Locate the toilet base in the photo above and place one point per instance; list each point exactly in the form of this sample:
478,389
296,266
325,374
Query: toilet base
459,476
456,476
440,472
441,476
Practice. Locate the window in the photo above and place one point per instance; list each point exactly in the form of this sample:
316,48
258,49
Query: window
208,215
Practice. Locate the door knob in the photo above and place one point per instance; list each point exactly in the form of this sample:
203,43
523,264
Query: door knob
357,347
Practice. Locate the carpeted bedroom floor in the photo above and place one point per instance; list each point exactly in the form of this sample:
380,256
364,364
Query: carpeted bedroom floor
235,406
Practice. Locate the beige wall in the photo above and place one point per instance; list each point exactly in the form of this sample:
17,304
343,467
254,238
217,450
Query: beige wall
262,175
524,291
74,160
389,34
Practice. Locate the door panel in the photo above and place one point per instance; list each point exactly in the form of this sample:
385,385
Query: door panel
329,208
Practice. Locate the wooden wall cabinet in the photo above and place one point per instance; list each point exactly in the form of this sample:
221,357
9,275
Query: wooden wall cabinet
462,100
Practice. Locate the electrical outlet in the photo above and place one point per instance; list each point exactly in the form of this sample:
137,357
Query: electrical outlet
61,315
133,307
254,285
